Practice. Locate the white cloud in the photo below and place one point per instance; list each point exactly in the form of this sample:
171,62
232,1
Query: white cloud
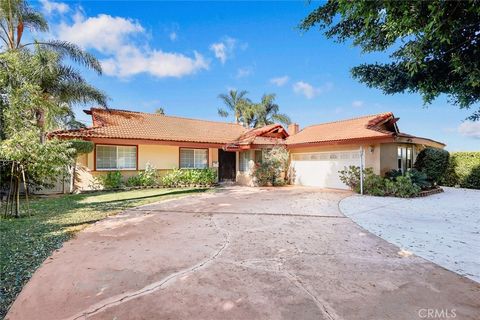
117,39
50,7
103,32
357,103
173,36
223,50
130,61
279,81
470,129
310,91
244,72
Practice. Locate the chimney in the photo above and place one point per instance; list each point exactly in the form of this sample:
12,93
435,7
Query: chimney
293,128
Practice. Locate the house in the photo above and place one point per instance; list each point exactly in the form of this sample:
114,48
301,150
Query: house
127,141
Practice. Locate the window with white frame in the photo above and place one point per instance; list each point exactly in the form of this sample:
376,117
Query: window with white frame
404,158
193,158
116,157
244,160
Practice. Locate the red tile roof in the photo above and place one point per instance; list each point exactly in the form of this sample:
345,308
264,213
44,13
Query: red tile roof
122,124
362,128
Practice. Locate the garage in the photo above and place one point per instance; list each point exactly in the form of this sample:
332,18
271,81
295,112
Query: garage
320,169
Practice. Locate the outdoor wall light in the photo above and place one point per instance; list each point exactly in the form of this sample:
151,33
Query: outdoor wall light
372,148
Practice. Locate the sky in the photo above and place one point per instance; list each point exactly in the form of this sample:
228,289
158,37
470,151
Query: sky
181,55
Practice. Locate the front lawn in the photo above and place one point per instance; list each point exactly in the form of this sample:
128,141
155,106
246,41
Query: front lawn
28,241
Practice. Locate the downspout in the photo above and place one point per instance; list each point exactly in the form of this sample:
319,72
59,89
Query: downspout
361,169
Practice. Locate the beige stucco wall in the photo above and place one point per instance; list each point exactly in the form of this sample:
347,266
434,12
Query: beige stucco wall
245,178
388,155
163,158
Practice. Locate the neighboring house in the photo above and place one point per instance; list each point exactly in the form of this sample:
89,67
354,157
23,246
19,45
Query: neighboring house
127,141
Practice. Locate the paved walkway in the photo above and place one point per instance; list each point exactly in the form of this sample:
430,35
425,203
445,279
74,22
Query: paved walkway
241,253
443,228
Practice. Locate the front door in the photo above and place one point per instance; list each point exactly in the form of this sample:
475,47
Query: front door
226,165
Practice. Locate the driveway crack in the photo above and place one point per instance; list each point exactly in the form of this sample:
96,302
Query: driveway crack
155,286
323,306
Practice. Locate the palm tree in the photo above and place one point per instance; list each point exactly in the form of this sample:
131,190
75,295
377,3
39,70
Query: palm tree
234,101
266,112
62,85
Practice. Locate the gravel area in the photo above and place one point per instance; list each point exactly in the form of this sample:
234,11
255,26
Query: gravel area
443,228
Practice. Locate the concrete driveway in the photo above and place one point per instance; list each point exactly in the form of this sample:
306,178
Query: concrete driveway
240,253
443,228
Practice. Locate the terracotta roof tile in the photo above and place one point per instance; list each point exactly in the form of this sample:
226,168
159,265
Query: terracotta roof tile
122,124
366,127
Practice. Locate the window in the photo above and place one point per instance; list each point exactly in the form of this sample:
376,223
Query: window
193,158
409,158
400,158
404,158
116,157
243,165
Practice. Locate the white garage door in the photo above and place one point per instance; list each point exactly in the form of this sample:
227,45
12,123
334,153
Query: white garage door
320,169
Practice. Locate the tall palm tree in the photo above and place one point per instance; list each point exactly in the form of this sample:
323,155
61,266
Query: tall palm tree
267,112
62,85
234,101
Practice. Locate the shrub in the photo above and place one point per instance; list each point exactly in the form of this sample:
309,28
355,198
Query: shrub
273,165
264,173
419,178
463,170
148,177
393,174
433,162
112,180
351,177
190,178
134,181
375,185
404,187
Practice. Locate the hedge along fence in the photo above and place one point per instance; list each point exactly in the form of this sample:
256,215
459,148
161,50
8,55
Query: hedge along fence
463,170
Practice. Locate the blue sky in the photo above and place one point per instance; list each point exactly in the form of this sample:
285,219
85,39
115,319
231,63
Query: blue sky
181,55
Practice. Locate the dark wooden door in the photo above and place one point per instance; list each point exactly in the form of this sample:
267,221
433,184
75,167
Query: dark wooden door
226,165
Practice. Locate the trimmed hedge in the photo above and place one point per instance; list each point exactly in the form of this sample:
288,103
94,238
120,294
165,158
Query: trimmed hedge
433,162
179,178
463,170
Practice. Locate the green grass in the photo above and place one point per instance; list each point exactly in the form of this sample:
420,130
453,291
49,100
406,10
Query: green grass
26,242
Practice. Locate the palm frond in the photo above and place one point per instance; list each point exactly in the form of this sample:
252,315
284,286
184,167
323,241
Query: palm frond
81,92
223,113
34,20
72,51
281,118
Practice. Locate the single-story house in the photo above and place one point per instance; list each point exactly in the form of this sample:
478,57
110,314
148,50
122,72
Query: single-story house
127,141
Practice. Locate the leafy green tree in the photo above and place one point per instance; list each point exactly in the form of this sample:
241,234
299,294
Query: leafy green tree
32,164
235,102
435,45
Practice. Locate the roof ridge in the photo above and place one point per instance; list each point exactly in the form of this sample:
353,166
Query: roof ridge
344,120
163,115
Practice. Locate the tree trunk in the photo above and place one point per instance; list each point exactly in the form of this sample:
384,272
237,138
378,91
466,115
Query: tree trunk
17,198
41,124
